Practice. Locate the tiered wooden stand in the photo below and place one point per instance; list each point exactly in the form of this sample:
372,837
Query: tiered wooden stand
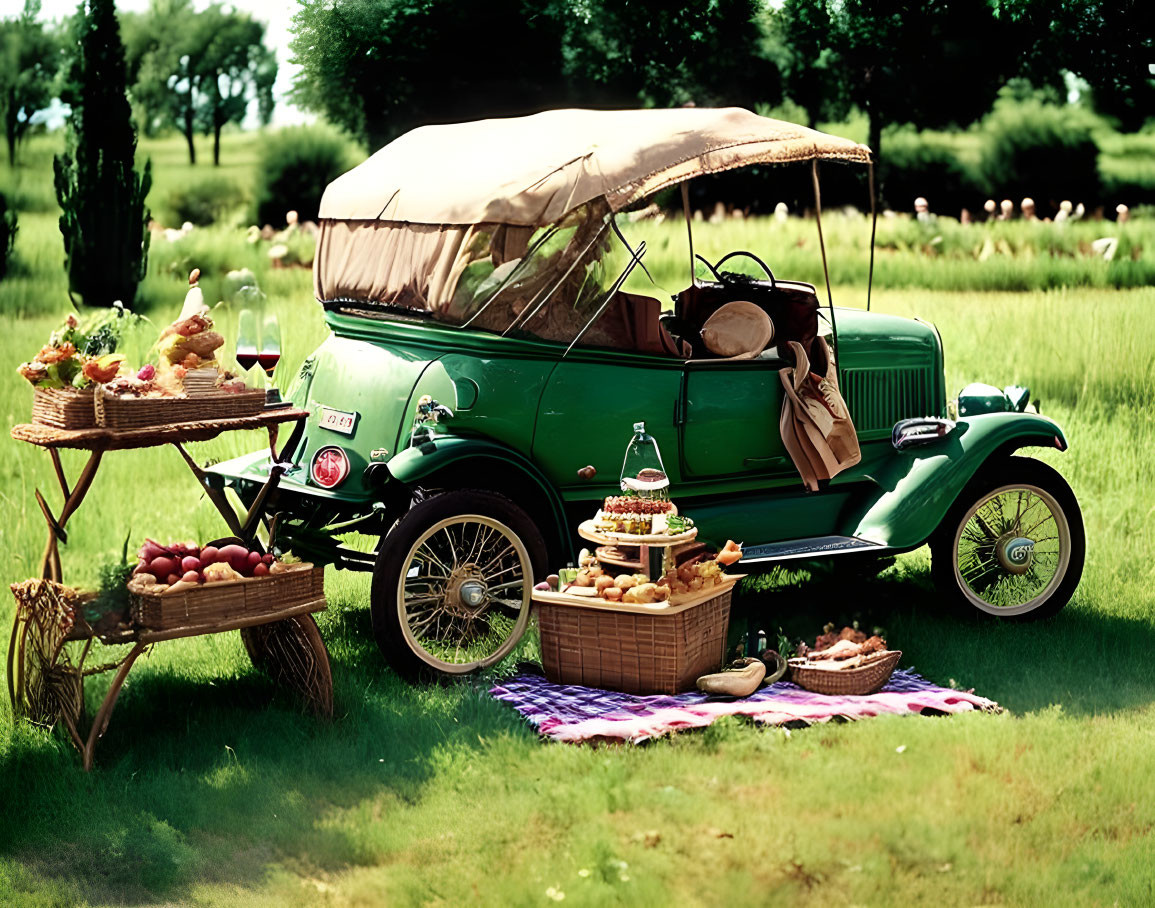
281,637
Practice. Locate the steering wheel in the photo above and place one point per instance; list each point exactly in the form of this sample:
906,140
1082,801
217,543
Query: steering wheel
716,269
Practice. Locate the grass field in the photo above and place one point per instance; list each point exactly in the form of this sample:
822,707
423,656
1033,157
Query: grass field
212,790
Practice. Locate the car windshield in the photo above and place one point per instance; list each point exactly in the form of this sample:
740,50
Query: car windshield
560,283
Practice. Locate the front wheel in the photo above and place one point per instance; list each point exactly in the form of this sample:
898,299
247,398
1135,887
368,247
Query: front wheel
1013,544
452,584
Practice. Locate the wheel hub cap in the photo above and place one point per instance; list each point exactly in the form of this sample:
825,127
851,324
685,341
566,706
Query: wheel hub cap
1015,553
472,593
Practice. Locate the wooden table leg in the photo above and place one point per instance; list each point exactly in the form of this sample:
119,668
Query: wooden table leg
100,723
50,568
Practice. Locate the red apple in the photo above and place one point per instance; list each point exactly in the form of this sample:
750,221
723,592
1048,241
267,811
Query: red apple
190,563
172,578
209,554
268,558
260,570
162,566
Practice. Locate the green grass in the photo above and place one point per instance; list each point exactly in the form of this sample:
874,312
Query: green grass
212,789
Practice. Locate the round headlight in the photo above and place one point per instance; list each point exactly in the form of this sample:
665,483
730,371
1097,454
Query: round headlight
330,467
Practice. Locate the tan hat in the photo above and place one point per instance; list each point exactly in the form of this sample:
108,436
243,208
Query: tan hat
738,330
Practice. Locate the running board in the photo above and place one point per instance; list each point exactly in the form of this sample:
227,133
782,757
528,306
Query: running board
815,547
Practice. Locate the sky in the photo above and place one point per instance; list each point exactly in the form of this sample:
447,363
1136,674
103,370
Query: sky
277,15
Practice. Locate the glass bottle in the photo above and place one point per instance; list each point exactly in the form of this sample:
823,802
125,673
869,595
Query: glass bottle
643,472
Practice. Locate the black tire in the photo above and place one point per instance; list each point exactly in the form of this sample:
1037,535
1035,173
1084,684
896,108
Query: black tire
974,554
427,531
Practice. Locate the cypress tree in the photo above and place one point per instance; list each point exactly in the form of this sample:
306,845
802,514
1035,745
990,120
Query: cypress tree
103,215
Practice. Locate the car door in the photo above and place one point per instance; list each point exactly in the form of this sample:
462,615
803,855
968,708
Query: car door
588,409
729,419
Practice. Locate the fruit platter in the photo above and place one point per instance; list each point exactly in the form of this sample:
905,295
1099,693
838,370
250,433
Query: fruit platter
82,377
185,584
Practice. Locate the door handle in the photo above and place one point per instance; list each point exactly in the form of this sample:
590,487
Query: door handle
769,461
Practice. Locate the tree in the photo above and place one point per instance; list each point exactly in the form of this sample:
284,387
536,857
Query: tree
163,50
705,52
28,64
935,64
377,68
198,71
235,68
103,218
1101,42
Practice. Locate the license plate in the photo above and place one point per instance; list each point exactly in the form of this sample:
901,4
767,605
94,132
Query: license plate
338,421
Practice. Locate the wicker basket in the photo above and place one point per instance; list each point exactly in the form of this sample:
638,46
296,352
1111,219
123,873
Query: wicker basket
64,408
633,652
865,679
115,412
217,603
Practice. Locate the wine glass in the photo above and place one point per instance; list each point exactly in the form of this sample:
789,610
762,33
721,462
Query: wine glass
270,354
248,336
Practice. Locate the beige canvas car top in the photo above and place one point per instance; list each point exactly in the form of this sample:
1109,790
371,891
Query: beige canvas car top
530,171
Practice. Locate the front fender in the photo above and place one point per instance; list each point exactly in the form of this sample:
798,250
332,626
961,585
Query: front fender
444,452
917,487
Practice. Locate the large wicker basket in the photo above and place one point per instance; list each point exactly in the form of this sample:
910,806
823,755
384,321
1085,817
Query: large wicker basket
865,679
64,408
218,603
116,412
630,650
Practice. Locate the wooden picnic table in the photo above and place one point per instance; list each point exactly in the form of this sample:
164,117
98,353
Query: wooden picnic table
281,639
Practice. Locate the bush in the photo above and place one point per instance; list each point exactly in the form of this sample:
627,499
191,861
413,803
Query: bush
1042,151
7,234
927,164
205,201
295,166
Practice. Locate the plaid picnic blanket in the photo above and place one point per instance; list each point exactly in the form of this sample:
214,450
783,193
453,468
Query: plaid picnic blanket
575,714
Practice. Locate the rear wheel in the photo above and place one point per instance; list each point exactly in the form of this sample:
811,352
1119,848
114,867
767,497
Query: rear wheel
1013,544
452,584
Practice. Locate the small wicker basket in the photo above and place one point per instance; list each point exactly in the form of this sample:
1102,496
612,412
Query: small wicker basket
622,650
217,603
116,412
64,408
865,679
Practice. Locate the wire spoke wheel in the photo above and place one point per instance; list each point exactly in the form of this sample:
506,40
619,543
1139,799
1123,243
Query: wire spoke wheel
463,597
1012,549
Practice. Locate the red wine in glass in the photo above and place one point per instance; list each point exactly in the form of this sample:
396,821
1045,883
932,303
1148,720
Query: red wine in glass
268,360
247,358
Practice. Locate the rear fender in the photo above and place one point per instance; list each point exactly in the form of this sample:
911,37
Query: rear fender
470,462
917,487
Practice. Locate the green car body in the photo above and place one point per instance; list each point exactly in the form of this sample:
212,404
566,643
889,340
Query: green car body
527,418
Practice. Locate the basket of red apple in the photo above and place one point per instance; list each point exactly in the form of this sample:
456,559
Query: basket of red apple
185,585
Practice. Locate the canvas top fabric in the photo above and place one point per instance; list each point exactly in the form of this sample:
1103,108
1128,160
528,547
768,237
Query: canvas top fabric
531,171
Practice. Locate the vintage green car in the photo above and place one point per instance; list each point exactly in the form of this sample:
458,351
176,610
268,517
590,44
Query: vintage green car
485,367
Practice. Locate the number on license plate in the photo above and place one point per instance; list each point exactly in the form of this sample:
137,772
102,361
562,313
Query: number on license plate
338,421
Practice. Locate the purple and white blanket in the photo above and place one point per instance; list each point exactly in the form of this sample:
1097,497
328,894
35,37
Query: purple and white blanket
575,714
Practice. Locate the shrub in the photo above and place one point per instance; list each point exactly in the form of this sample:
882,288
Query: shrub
7,234
1041,150
927,164
205,201
295,166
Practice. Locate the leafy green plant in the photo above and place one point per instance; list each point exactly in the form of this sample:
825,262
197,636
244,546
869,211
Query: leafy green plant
1040,150
205,201
295,166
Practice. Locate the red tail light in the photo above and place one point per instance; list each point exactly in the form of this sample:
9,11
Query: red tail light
330,467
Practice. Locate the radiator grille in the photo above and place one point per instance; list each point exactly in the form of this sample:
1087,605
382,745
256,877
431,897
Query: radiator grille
878,398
